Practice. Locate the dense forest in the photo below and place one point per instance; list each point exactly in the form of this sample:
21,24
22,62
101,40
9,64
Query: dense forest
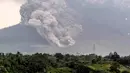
63,63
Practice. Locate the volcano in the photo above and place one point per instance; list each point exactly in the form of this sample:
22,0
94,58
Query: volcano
104,26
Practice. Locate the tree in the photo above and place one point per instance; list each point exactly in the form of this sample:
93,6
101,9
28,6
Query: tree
59,56
94,61
81,69
3,69
115,67
113,56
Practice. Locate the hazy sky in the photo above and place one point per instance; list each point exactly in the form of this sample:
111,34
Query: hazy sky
9,13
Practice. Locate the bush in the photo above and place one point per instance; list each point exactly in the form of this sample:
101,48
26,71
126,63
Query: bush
101,71
60,70
125,71
115,66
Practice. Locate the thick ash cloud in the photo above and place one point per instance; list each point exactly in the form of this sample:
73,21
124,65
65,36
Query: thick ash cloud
53,20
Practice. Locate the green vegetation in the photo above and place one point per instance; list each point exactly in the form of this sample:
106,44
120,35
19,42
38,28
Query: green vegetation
59,63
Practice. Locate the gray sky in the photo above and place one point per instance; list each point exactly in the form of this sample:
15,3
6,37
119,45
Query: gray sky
9,13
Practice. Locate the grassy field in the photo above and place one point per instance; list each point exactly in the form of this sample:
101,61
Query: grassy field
106,67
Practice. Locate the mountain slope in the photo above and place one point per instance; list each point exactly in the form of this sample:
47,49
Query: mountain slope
19,38
104,26
20,33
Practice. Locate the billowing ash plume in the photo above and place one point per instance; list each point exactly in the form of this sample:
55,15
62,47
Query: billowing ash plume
53,20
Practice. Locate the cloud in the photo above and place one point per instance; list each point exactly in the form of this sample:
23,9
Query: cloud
52,21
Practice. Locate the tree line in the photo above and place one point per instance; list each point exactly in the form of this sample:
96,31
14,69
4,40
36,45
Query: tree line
62,63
